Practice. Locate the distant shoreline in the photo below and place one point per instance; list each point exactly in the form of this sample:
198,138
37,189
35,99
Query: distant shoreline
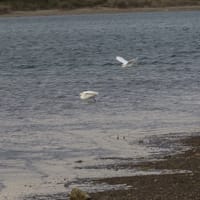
97,10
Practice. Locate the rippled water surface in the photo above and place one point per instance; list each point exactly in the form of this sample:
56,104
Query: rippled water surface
45,62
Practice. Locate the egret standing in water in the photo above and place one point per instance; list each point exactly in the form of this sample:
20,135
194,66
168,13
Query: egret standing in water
87,95
127,63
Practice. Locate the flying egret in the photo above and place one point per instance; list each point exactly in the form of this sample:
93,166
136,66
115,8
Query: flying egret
88,95
126,63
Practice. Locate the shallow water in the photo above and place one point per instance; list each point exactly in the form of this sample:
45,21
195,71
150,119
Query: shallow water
45,62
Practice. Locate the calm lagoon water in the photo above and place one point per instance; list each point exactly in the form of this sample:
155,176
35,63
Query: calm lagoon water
47,132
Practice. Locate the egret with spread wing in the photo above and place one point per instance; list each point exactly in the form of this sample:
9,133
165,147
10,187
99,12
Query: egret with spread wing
88,95
126,63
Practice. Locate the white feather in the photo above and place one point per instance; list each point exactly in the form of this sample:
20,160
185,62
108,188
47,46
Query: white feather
121,60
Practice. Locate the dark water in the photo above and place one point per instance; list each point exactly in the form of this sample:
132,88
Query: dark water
45,62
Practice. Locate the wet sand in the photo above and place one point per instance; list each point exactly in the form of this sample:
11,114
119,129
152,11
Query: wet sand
166,186
179,178
95,11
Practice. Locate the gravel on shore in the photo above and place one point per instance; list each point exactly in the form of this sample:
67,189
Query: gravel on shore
170,186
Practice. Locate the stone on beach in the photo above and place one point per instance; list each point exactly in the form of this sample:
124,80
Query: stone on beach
77,194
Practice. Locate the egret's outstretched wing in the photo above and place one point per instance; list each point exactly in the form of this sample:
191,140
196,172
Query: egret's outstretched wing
88,94
122,60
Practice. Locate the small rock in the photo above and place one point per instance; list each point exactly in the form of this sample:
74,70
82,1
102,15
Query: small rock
77,194
78,161
140,141
155,180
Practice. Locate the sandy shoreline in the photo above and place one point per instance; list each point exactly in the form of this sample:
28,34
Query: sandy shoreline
165,186
179,178
97,10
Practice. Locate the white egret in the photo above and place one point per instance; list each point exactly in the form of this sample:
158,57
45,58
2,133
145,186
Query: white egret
127,63
88,95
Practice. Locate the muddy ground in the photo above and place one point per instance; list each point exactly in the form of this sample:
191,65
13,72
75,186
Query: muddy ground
175,186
